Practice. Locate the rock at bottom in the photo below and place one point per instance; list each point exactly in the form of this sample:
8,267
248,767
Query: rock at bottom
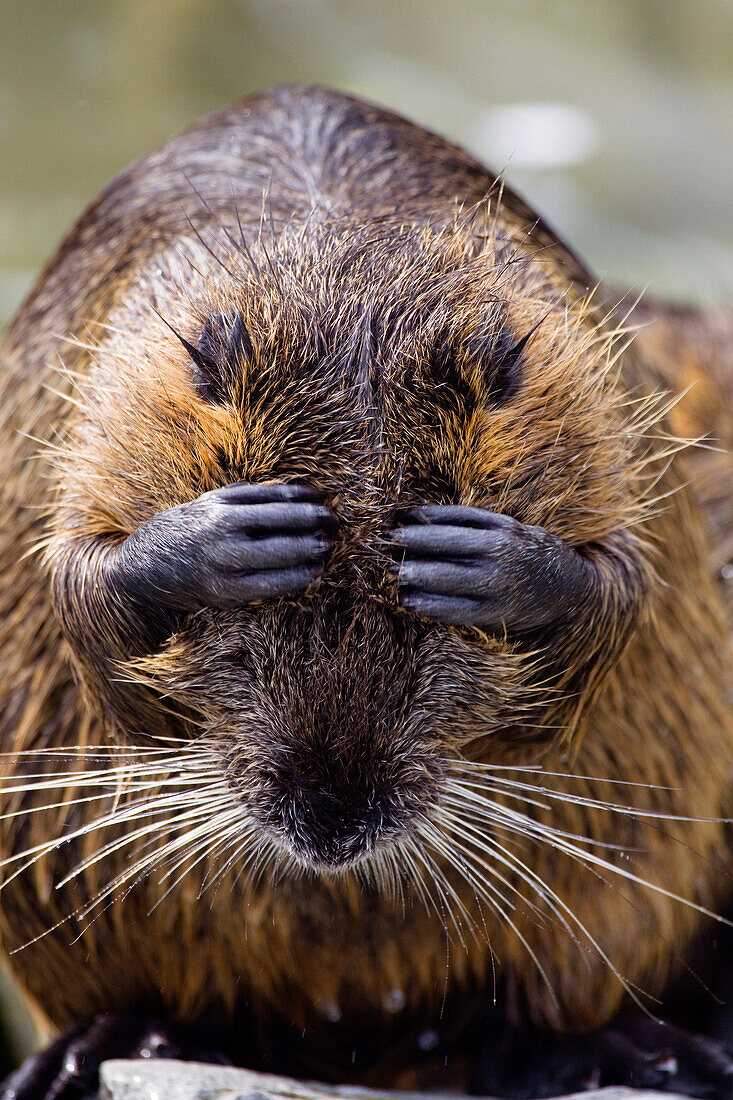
167,1079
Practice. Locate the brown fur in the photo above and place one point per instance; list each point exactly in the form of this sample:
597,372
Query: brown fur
637,695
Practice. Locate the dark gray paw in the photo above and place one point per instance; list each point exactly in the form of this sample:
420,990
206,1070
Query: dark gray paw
473,567
637,1052
230,546
68,1069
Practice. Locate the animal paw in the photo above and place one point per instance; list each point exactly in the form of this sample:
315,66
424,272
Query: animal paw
474,567
637,1052
226,548
68,1069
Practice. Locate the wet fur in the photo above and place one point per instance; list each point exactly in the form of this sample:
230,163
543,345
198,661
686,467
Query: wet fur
102,426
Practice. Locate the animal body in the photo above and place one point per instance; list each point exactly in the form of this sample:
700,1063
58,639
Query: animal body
365,655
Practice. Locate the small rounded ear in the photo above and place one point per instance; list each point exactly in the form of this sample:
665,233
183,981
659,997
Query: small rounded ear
498,353
218,356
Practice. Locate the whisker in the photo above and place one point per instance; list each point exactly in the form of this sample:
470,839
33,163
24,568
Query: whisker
551,898
129,838
488,893
476,809
455,764
201,851
593,803
568,843
437,841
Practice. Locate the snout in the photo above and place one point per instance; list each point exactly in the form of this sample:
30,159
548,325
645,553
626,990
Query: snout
331,829
344,753
345,790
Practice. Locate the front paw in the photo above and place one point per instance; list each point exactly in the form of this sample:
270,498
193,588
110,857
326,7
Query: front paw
636,1052
473,567
68,1069
226,548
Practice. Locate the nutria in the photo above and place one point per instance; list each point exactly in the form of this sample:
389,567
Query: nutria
364,660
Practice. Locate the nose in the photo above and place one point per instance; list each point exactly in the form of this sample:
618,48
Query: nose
335,832
328,822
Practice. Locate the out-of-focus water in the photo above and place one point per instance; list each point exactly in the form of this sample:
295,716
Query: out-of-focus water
614,117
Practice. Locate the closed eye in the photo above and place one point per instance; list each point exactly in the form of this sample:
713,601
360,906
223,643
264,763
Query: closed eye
484,369
219,356
504,373
500,356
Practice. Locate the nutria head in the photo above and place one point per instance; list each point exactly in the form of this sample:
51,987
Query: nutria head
388,366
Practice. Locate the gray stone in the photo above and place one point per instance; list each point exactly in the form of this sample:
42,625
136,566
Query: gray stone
166,1079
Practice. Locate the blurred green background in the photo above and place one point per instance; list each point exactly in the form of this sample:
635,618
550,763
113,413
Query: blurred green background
614,117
